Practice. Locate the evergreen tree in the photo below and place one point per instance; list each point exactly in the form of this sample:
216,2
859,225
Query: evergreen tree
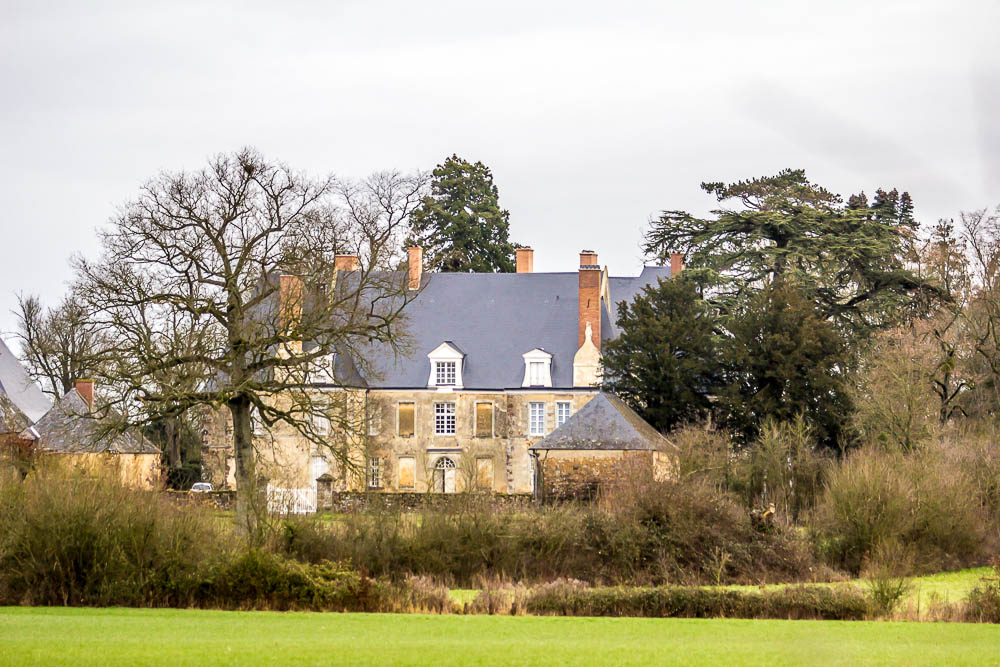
784,360
666,361
460,224
849,260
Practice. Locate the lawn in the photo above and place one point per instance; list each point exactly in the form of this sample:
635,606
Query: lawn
60,636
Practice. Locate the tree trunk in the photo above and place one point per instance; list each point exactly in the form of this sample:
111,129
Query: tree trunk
250,507
173,442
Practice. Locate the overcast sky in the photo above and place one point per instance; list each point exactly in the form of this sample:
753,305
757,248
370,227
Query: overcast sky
592,116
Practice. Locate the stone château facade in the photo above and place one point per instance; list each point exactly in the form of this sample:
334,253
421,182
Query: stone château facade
495,363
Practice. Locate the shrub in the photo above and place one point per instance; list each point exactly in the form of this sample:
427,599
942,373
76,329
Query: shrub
797,602
886,571
654,533
923,500
70,539
982,604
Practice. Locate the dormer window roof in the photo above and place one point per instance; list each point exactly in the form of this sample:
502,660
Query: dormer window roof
537,368
446,362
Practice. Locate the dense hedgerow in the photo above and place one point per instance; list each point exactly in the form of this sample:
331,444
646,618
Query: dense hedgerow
70,539
668,532
794,602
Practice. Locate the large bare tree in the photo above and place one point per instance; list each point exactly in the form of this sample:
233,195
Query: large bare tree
227,277
58,345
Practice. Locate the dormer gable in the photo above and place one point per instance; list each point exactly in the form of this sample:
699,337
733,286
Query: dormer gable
537,368
446,361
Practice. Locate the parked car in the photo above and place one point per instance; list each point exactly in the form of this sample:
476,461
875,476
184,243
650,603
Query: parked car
201,487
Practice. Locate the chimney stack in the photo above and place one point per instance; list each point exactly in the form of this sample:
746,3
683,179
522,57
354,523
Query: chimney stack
589,299
86,390
416,265
525,260
345,262
676,264
290,297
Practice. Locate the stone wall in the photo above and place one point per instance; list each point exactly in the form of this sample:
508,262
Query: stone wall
584,474
357,501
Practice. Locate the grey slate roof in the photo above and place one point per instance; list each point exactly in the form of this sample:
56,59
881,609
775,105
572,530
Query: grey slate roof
18,387
494,318
71,427
605,422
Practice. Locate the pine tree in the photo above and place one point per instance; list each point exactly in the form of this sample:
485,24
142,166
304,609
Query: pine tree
666,362
849,260
460,224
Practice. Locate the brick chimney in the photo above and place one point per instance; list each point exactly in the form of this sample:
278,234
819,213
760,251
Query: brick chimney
589,298
345,262
416,264
290,297
525,260
676,263
86,390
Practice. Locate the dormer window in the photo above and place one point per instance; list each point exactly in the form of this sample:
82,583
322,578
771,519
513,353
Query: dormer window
447,361
537,368
444,373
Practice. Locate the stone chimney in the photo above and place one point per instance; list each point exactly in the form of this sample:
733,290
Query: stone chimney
345,262
86,390
589,299
676,264
525,260
290,297
416,264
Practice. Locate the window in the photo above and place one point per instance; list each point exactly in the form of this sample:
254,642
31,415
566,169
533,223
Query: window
444,475
484,420
484,473
321,424
446,366
537,368
444,419
562,412
374,418
404,420
536,418
407,471
444,373
375,466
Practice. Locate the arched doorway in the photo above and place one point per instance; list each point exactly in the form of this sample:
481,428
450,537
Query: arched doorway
444,475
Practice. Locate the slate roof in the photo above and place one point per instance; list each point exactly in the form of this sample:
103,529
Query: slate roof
71,427
605,422
494,318
18,388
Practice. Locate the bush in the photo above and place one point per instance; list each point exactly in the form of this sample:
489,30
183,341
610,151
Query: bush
798,602
922,500
652,534
982,604
70,539
886,571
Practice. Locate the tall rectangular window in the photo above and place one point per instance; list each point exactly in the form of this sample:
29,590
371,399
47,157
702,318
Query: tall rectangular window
444,419
484,473
321,424
407,471
562,412
484,420
374,418
375,472
404,419
444,373
536,373
536,418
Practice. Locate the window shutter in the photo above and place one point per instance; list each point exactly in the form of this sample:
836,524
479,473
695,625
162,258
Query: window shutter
484,420
405,419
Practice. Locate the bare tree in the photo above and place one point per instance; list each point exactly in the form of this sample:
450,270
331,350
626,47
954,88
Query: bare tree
58,345
228,277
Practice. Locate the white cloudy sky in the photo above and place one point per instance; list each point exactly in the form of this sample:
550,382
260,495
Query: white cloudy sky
592,116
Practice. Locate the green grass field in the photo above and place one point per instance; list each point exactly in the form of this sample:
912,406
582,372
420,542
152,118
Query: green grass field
61,636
